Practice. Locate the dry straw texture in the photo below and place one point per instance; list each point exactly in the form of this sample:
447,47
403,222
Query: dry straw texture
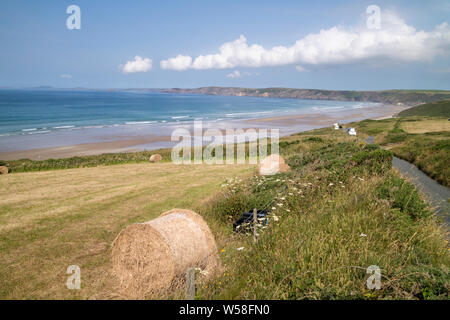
272,164
3,170
155,157
149,257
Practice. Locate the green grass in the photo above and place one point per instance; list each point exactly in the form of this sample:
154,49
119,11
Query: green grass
415,140
52,219
27,165
106,159
340,210
432,109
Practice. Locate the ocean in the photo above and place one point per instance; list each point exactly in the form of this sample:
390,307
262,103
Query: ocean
48,118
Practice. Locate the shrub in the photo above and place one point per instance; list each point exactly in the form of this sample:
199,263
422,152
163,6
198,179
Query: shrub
371,147
284,144
376,161
314,139
403,196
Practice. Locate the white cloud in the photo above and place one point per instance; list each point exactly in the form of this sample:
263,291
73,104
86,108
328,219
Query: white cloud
234,74
179,63
139,64
394,41
238,74
66,76
300,69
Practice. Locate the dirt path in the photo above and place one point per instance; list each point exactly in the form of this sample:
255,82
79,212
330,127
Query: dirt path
437,195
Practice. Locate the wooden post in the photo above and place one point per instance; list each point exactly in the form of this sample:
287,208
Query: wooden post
255,222
190,284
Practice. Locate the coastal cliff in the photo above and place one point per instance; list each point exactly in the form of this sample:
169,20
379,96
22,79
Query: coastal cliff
407,97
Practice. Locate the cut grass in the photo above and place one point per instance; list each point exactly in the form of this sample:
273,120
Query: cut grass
50,220
425,125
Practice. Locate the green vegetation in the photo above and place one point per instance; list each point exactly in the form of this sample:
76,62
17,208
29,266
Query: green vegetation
432,109
386,96
52,219
340,210
106,159
27,165
423,141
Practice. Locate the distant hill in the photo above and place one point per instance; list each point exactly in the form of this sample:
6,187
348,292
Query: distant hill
407,97
432,109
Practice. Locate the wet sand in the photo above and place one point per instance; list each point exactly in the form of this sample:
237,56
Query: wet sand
286,124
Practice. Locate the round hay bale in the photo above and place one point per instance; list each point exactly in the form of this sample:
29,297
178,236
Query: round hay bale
3,170
272,164
148,257
155,157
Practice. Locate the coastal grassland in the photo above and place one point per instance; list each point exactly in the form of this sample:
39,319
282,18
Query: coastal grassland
432,109
383,96
52,219
340,210
105,159
423,141
27,165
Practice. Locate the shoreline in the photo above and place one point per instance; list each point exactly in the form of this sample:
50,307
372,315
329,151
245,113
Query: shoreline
287,124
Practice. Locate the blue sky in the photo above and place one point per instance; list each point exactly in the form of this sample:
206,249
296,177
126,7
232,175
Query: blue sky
38,49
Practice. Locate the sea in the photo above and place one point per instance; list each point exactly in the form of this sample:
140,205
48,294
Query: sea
49,118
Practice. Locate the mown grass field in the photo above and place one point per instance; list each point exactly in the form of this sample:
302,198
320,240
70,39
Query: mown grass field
341,209
52,219
423,141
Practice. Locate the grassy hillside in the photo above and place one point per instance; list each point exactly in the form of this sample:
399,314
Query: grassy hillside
340,210
422,141
432,109
27,165
106,159
409,97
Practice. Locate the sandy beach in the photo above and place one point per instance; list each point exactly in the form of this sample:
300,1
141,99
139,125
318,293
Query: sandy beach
160,138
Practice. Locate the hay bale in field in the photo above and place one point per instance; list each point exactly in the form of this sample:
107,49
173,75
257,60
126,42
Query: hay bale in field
155,157
272,164
148,257
3,170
